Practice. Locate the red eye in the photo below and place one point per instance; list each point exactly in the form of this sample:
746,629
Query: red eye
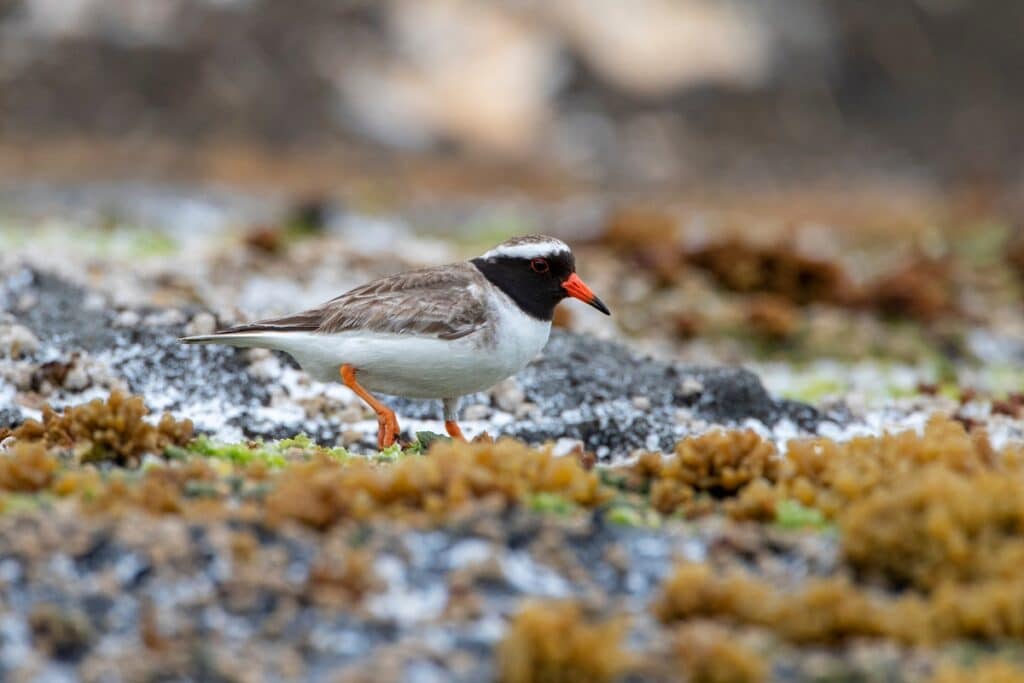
539,265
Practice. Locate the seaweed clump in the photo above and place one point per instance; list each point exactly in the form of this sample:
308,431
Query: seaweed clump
106,431
826,475
939,526
914,509
776,269
342,579
710,653
554,643
159,490
736,467
996,671
28,468
823,611
922,290
323,491
834,610
633,227
772,317
650,237
722,462
939,513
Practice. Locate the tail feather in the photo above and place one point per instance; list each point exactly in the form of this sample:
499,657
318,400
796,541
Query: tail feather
230,338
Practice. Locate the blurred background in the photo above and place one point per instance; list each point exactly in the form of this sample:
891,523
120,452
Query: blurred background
794,179
633,94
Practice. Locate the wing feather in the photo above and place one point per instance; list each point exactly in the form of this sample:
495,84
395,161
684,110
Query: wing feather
445,302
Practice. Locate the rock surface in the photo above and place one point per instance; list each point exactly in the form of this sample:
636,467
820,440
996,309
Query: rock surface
428,606
585,389
581,388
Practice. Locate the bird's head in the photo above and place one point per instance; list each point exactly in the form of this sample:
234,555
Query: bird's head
536,272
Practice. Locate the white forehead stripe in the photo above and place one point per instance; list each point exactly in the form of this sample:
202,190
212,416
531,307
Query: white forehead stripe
529,249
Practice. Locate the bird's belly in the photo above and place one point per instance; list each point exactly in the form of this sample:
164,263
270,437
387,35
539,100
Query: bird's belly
414,366
455,370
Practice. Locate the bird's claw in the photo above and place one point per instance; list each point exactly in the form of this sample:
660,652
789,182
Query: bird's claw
387,430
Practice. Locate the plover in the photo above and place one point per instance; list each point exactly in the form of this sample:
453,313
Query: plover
439,333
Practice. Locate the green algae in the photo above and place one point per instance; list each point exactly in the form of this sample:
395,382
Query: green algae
630,514
274,454
13,503
392,453
278,454
425,439
551,503
790,514
237,453
816,389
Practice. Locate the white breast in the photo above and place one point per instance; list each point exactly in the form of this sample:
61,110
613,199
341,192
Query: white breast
518,336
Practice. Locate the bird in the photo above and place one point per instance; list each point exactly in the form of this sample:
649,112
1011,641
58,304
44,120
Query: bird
440,332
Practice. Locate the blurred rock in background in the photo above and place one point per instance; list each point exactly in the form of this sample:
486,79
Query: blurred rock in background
646,91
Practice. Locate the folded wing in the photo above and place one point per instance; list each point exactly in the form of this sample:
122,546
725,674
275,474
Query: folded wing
446,302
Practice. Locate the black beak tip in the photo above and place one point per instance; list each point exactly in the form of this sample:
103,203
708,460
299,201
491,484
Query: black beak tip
599,305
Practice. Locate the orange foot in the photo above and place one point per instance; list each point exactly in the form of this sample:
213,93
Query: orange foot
452,427
387,423
387,428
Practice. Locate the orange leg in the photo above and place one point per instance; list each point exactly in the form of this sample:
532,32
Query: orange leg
452,427
387,423
451,416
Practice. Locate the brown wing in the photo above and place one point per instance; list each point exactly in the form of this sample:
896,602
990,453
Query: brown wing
445,302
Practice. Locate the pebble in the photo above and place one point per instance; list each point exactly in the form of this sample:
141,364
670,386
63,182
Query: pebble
26,302
17,341
256,355
566,446
477,411
684,416
201,323
527,410
351,437
127,318
77,379
94,301
268,368
508,396
167,318
641,403
351,413
21,377
691,386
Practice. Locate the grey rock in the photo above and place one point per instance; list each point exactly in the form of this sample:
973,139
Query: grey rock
596,391
596,381
149,359
10,417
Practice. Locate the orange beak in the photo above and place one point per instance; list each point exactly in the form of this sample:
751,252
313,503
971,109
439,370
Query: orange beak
575,287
